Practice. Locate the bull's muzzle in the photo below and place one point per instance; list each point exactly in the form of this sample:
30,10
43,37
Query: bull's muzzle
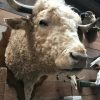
79,59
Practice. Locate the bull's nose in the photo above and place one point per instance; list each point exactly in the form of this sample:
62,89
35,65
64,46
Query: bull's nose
78,57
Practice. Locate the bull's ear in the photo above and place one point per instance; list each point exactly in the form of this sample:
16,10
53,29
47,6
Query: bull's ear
16,23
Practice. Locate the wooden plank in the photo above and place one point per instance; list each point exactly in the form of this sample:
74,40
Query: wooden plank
53,89
93,52
87,74
98,38
94,45
10,93
91,97
5,14
3,77
1,97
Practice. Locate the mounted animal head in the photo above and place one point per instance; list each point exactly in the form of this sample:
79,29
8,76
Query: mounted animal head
53,26
92,26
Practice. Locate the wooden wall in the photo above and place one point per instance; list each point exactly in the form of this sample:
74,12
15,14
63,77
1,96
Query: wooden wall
52,89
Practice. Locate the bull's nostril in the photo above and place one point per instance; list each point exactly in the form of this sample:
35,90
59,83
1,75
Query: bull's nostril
73,56
78,57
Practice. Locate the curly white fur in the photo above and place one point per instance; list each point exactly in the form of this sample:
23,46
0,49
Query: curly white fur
46,49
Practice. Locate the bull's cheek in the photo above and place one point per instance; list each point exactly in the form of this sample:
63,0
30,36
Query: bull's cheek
63,62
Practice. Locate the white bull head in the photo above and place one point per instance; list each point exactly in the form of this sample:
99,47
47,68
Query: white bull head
45,42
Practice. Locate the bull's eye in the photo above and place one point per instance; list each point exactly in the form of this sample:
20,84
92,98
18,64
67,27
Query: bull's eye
43,23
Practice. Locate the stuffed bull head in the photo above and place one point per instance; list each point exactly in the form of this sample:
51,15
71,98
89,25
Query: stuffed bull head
45,42
92,26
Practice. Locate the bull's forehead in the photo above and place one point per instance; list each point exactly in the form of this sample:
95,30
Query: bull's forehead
50,15
60,16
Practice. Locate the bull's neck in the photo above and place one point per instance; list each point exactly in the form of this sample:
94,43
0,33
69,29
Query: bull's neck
30,39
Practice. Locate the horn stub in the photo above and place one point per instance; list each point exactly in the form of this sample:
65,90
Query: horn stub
20,7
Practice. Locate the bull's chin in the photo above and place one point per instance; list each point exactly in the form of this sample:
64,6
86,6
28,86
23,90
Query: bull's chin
73,67
65,68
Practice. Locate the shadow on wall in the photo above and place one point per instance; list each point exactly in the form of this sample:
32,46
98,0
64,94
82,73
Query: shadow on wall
4,36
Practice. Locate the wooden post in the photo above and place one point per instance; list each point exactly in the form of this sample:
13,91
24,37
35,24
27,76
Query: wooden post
3,76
